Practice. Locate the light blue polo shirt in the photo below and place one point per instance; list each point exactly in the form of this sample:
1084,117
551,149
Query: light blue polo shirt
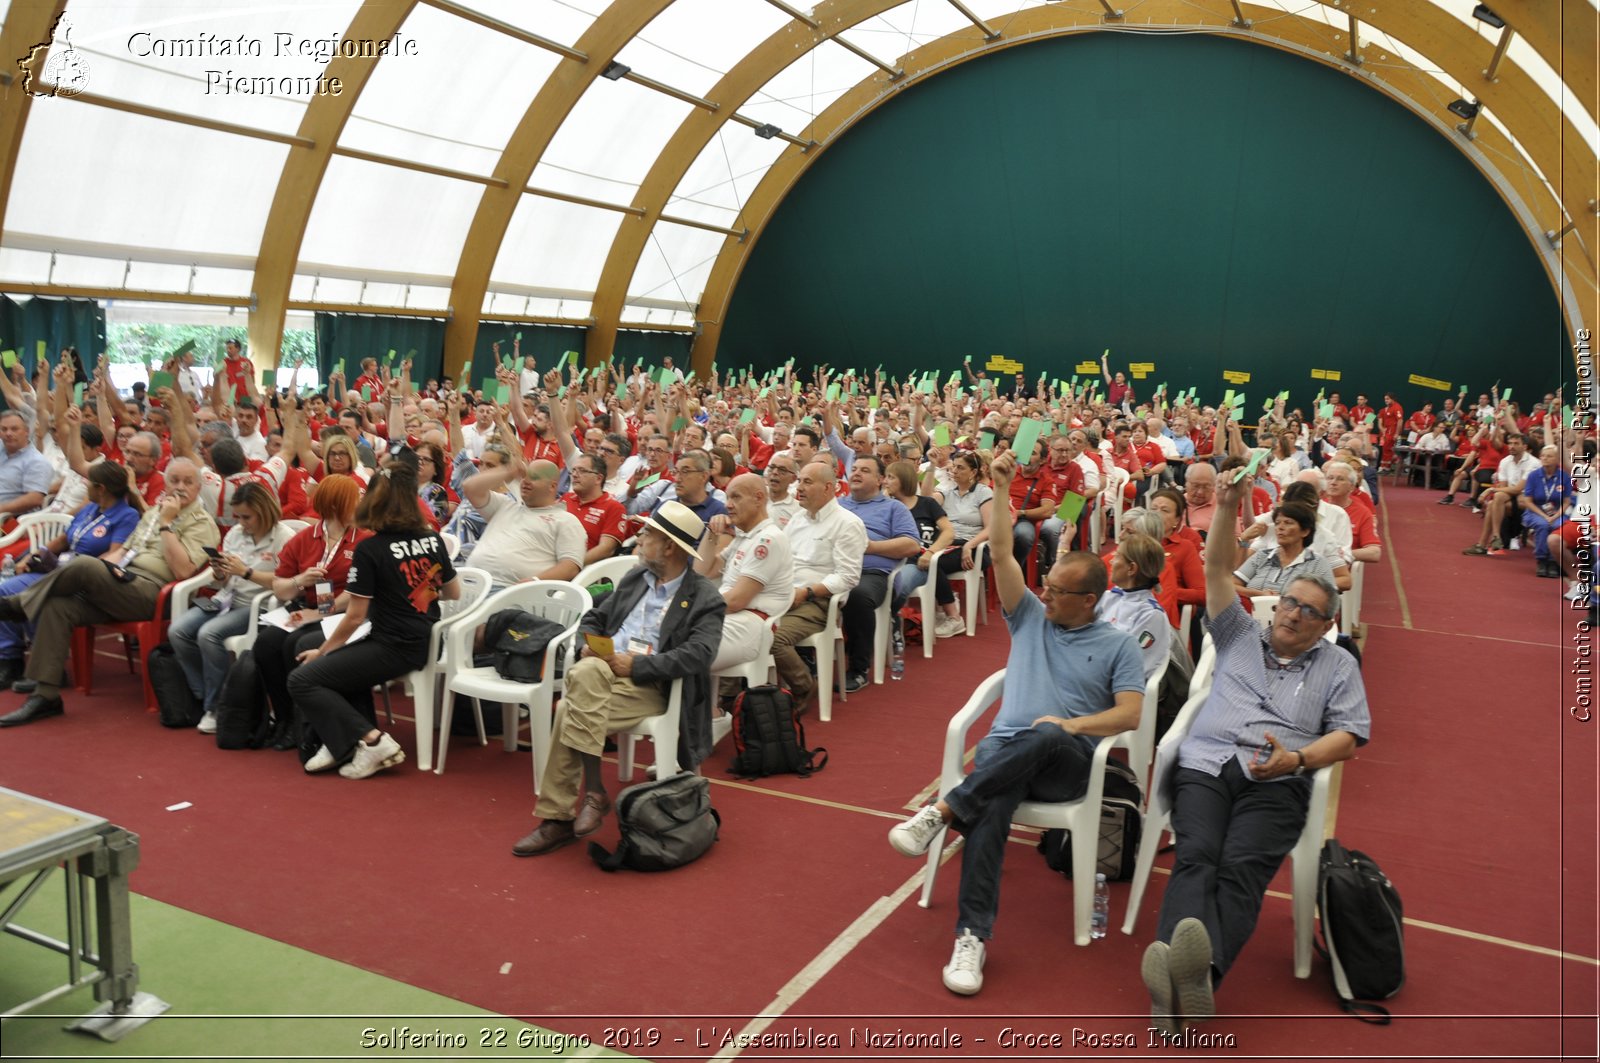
1053,671
24,472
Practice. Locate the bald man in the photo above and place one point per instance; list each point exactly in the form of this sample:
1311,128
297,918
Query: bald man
828,543
1200,494
529,537
753,562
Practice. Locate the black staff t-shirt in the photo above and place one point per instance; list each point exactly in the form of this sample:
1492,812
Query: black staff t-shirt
401,572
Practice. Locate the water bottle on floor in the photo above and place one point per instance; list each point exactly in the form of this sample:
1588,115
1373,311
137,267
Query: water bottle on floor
8,567
897,654
1102,908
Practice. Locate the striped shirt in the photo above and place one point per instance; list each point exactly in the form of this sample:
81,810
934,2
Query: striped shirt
1315,694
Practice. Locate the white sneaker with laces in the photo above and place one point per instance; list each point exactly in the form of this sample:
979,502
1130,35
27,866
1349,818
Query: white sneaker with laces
1516,544
1575,592
369,760
207,724
949,627
913,836
964,973
321,760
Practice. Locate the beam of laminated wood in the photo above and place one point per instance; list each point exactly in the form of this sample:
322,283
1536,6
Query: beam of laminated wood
301,177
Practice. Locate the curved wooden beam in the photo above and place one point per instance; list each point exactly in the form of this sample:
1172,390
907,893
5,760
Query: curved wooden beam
27,23
1563,32
1304,37
759,66
301,178
551,105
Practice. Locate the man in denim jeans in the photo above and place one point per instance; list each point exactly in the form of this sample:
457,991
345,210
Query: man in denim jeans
1070,680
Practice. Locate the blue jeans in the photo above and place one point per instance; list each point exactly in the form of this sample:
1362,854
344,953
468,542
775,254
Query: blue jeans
14,633
1039,764
196,639
910,578
1540,525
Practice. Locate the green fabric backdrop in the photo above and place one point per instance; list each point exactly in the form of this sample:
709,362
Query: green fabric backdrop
79,323
1196,202
352,337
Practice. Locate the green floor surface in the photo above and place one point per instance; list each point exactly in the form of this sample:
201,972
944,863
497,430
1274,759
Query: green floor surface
237,995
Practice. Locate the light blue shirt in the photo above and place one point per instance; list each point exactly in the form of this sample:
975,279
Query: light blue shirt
1054,671
644,622
1317,693
24,472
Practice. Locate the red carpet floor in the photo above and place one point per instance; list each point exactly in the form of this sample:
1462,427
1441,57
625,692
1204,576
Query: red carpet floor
1477,795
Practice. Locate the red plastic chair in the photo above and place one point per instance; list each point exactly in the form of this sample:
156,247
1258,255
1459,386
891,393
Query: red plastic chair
148,633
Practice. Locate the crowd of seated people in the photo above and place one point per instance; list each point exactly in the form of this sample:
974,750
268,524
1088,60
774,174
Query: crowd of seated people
333,524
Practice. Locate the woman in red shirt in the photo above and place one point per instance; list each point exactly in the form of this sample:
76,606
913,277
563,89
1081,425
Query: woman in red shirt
1183,580
311,574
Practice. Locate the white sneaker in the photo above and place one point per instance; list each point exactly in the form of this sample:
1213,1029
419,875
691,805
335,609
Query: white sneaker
915,835
321,760
207,724
369,760
949,626
1516,544
1575,592
964,973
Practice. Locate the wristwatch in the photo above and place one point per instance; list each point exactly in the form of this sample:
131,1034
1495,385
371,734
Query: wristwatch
166,528
1300,769
811,594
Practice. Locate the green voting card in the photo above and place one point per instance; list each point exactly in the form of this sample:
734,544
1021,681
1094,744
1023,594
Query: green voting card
1027,435
1071,507
159,381
747,416
941,435
986,440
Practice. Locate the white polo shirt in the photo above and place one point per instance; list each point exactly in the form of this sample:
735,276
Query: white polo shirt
763,554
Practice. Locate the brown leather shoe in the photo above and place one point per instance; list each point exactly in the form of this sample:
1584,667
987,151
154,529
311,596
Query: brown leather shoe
591,814
551,835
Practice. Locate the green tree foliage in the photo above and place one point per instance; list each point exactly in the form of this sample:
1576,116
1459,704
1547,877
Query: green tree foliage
143,343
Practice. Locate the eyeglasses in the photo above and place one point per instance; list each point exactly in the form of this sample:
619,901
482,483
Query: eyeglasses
1055,592
1309,611
610,450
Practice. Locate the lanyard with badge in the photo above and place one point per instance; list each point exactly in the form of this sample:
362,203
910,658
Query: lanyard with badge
325,587
638,645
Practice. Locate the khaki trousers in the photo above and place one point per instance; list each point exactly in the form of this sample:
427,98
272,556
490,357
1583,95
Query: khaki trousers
797,625
597,703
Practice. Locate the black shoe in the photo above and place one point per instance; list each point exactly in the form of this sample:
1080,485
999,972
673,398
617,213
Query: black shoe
35,708
853,681
10,672
1448,500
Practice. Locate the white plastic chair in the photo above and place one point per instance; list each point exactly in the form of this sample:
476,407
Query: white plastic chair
475,584
610,568
39,527
1081,817
1185,624
452,544
1141,741
883,626
973,587
829,646
662,731
1350,600
565,603
1113,504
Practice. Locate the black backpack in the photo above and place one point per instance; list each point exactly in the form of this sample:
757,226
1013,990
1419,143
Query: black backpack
768,738
242,721
665,823
1363,927
177,704
1121,825
517,640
